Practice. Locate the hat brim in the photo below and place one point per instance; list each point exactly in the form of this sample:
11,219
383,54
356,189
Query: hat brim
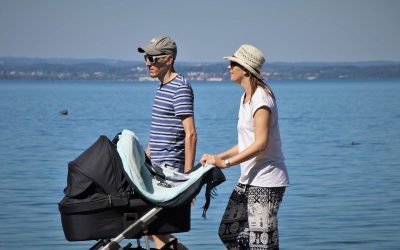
241,63
150,50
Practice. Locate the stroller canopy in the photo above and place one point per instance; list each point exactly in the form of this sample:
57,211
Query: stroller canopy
97,170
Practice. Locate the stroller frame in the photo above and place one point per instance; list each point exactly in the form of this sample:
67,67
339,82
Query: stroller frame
135,228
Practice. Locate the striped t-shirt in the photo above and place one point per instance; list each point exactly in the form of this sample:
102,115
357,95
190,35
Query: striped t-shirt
167,136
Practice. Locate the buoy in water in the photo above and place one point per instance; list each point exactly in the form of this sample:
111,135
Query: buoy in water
64,112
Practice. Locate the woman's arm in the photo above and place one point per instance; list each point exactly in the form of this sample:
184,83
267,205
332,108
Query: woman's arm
229,153
261,121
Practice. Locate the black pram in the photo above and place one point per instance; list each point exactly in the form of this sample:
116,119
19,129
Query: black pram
101,202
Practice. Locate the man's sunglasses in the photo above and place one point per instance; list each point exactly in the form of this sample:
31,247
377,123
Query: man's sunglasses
152,59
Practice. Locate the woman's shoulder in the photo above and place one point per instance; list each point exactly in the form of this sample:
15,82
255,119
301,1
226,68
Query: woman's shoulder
262,96
262,93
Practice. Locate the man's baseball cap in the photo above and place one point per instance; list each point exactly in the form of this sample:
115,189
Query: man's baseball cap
161,45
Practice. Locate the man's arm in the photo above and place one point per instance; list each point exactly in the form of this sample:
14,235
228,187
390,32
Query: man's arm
148,151
190,141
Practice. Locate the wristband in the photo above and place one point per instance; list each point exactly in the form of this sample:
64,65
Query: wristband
227,163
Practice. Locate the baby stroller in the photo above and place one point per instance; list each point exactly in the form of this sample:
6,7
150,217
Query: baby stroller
101,202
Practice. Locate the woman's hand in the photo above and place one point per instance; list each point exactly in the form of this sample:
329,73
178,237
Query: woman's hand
212,159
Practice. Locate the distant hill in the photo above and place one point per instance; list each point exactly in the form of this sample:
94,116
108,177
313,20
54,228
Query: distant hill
61,61
12,68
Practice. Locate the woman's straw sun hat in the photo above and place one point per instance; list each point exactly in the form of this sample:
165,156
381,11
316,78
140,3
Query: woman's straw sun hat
250,58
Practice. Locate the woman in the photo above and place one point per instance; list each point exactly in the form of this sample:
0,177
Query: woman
250,219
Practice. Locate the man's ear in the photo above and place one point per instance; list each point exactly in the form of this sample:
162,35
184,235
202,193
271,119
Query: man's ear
170,59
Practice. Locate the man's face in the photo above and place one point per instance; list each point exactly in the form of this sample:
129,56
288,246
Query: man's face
157,64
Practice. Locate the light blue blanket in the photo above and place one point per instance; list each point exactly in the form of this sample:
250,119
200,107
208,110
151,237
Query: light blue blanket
155,190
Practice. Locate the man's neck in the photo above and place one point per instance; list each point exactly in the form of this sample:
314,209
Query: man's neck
168,76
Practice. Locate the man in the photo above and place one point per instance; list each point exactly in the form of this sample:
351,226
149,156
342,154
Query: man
172,141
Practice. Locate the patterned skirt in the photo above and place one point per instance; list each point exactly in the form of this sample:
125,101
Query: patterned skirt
250,220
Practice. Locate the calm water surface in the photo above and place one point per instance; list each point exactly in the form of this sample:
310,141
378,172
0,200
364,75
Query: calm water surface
341,141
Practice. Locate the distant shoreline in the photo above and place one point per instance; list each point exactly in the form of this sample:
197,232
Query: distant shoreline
134,71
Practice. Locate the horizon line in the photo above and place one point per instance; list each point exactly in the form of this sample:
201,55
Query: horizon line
178,61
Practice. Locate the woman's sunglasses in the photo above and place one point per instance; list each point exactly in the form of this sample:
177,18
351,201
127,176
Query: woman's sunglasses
233,64
152,59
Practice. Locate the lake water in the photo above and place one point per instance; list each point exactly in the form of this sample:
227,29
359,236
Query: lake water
341,141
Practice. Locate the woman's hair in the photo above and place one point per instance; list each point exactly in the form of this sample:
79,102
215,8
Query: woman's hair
255,82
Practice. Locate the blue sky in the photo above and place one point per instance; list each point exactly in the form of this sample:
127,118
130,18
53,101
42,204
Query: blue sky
206,30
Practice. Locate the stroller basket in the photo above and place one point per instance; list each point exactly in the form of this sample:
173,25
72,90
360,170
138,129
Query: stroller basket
110,220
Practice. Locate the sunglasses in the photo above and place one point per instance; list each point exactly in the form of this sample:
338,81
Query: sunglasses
152,59
233,64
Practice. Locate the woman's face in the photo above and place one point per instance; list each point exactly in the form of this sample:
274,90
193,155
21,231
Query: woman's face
237,72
